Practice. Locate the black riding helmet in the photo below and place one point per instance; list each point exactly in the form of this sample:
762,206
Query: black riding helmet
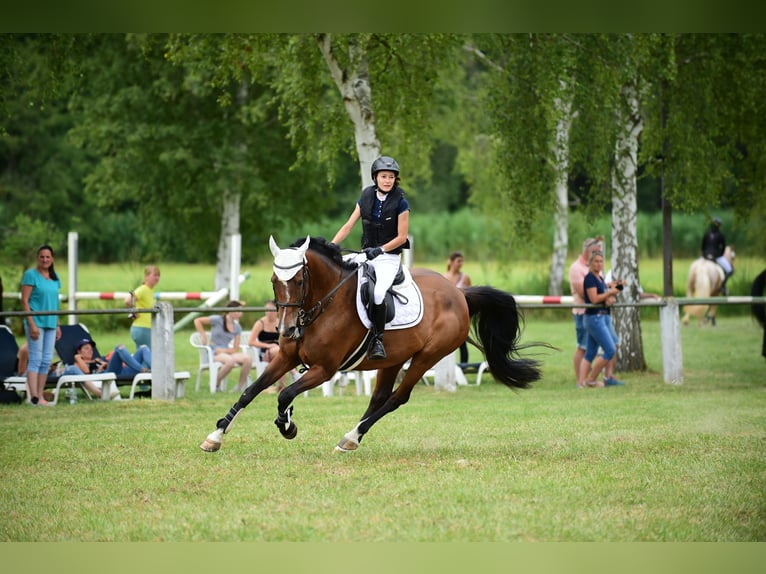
384,163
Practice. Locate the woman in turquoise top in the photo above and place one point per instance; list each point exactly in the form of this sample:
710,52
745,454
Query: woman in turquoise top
40,288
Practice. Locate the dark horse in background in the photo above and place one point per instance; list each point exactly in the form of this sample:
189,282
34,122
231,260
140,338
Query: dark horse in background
758,289
315,294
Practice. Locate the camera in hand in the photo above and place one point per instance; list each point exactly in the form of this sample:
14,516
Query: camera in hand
620,286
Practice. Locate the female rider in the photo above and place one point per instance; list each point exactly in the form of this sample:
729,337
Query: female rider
385,215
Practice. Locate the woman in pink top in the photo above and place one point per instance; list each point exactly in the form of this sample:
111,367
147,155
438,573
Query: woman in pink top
460,280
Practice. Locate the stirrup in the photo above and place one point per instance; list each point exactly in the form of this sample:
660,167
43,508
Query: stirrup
377,350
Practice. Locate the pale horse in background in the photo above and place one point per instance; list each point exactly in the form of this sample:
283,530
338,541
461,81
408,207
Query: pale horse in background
705,280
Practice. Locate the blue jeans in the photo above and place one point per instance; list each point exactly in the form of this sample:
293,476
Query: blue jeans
582,334
141,336
597,327
40,350
123,363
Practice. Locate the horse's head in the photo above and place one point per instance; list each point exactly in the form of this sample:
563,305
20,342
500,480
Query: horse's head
289,282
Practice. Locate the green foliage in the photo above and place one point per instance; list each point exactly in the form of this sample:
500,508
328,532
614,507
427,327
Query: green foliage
18,249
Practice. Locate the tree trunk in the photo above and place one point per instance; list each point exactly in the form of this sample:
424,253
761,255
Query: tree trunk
229,226
354,86
627,320
229,216
560,218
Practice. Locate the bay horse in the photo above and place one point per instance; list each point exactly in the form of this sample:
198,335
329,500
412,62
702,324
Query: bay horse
706,278
319,327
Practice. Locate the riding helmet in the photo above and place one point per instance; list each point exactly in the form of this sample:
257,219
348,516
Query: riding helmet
384,163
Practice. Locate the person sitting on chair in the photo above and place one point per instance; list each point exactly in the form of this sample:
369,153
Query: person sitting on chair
120,362
265,337
225,332
385,215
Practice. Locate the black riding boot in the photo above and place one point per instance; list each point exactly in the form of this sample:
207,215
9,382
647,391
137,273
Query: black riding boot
376,350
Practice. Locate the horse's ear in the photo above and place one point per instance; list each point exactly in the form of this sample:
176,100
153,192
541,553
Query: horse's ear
303,248
273,246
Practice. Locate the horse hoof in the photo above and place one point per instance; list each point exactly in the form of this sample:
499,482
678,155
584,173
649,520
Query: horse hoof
213,441
209,445
290,432
346,445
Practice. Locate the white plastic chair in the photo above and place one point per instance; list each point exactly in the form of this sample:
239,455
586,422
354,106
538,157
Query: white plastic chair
206,362
362,380
259,365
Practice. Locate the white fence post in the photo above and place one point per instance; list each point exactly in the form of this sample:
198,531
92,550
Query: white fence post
235,248
670,337
72,258
163,353
444,374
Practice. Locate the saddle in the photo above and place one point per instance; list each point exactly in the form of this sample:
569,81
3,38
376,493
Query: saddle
368,289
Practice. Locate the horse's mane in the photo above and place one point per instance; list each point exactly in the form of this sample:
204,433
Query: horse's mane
327,249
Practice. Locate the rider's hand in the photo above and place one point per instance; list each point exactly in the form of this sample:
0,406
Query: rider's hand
373,252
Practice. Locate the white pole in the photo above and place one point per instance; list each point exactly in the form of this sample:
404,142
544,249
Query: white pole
236,255
163,353
407,253
670,337
445,378
72,282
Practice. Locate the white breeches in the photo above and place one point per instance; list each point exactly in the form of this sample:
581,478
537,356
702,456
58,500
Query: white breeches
386,267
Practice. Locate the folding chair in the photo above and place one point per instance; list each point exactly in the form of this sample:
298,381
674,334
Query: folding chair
72,334
9,350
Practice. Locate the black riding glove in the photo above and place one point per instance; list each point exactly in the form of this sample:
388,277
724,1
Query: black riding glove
373,252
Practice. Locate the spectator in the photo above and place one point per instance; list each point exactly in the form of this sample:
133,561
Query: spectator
119,362
265,337
596,325
225,333
460,280
143,298
577,272
385,216
22,359
40,288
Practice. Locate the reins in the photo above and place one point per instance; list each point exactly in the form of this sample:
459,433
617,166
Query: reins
306,318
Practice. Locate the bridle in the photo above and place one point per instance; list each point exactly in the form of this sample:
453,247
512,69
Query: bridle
306,318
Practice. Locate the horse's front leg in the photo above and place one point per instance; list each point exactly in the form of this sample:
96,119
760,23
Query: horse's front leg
275,370
312,378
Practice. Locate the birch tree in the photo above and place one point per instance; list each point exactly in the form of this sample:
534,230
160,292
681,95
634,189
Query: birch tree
624,259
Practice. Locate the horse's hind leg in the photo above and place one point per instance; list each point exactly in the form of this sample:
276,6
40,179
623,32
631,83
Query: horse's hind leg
383,402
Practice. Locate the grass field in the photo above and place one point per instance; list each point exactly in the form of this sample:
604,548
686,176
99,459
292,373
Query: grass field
647,462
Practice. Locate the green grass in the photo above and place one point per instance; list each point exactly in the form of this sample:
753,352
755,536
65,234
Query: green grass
647,462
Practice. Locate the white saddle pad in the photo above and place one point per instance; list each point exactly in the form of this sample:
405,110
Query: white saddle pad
408,308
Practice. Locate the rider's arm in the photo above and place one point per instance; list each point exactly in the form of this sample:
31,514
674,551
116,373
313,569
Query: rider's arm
348,226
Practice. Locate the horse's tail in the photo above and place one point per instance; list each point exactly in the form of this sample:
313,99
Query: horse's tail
496,323
757,290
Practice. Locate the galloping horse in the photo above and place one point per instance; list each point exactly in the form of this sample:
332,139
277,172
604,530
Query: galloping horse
705,280
315,294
